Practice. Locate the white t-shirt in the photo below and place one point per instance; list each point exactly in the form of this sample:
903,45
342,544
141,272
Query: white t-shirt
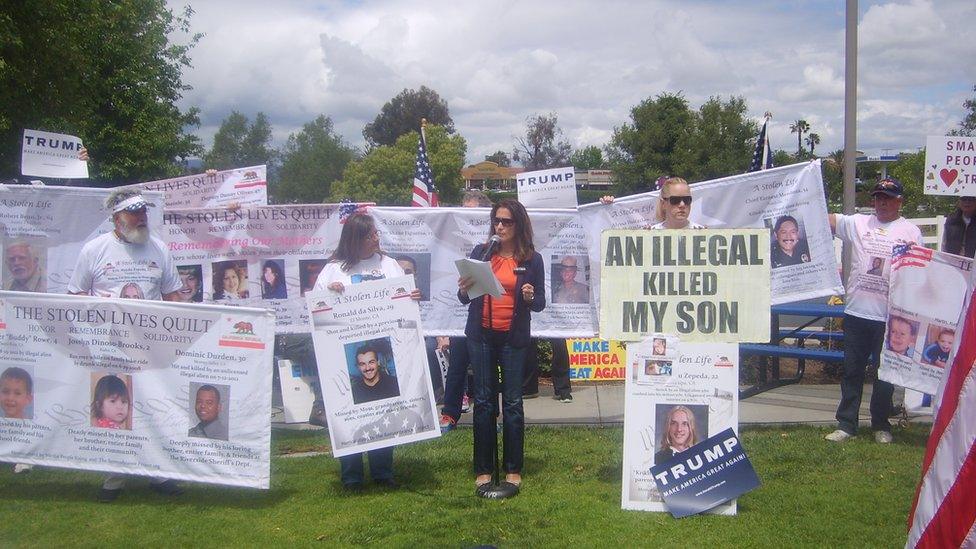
690,225
867,286
375,267
107,265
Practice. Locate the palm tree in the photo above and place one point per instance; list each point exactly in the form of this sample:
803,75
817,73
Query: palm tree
812,141
799,127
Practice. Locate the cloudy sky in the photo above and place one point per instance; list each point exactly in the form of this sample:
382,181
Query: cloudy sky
497,63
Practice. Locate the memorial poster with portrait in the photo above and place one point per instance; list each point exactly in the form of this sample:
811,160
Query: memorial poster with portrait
677,394
925,298
788,202
265,257
42,231
137,387
704,285
427,241
373,369
239,186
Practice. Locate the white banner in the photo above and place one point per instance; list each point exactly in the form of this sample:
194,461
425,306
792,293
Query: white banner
950,165
677,395
373,366
427,242
46,154
137,387
42,230
554,188
791,197
925,298
260,257
240,186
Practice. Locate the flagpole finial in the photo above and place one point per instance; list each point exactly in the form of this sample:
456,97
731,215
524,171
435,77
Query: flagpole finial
768,115
423,122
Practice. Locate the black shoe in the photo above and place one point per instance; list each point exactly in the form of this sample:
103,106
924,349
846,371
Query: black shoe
167,488
352,487
108,496
565,399
387,483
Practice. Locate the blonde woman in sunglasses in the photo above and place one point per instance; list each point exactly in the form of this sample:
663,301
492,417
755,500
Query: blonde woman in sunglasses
673,207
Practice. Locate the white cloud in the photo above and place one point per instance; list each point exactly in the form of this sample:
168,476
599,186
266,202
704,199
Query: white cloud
497,63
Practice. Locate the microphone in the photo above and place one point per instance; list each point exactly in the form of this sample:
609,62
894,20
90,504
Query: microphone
493,243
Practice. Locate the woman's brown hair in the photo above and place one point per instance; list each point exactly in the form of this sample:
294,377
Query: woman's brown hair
357,229
523,229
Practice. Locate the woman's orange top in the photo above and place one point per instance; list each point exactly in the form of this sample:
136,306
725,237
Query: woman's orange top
502,307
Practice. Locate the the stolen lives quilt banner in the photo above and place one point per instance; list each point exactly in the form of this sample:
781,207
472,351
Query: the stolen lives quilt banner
137,387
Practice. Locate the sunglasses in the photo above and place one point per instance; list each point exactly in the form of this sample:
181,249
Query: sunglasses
675,200
505,221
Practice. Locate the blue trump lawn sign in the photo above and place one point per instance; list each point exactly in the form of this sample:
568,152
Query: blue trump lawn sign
706,475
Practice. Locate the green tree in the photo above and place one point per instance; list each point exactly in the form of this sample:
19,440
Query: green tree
588,158
501,158
385,174
783,158
832,168
667,137
239,143
721,141
910,171
311,160
104,71
812,141
967,126
645,149
402,115
799,127
541,147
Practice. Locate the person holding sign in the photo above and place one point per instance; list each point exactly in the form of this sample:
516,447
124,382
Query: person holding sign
867,305
358,258
138,257
674,206
498,334
959,236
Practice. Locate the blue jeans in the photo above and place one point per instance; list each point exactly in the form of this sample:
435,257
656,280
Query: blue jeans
862,342
454,383
380,466
485,356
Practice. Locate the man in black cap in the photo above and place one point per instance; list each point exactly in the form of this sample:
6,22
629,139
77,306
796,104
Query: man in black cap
866,310
960,232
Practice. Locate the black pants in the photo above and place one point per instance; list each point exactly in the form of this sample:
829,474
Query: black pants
560,368
862,342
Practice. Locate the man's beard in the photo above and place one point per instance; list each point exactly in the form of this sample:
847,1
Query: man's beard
133,235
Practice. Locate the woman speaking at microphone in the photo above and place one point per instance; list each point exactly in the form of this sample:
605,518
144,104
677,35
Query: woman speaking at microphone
498,334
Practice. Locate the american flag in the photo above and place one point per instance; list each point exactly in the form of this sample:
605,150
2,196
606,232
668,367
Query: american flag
424,192
762,158
944,511
910,255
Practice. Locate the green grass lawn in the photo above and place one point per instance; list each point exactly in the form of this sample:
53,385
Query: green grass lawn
813,493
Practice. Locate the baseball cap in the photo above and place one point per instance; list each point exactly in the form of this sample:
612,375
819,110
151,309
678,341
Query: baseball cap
889,187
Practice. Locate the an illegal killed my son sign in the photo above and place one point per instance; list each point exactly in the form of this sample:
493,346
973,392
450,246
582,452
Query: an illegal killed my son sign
703,285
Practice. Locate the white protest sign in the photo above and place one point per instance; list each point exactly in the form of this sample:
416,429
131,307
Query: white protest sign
702,284
677,394
925,298
790,195
373,366
240,186
46,154
115,383
950,165
44,228
554,188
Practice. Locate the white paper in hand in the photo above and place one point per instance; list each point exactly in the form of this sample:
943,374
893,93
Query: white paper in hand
484,280
46,154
